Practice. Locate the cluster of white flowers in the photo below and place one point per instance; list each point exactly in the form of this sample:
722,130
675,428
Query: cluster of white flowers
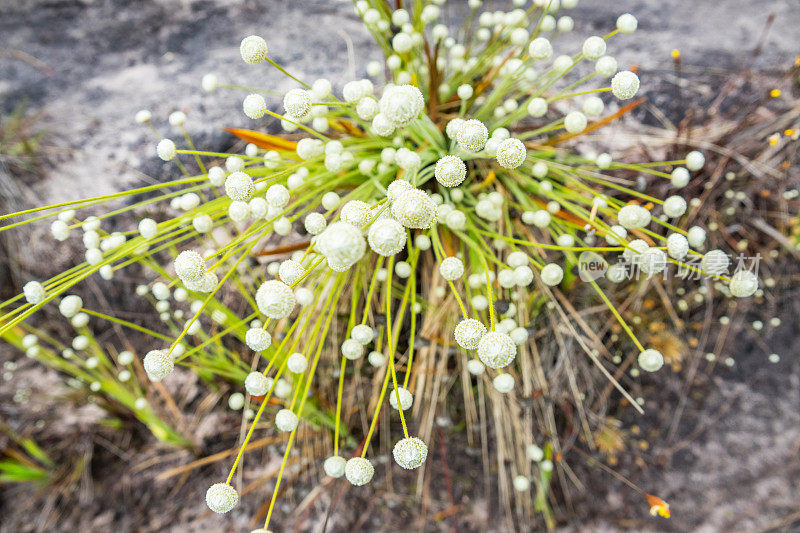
387,178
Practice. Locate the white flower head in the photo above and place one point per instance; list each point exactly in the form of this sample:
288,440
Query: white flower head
253,49
410,452
625,84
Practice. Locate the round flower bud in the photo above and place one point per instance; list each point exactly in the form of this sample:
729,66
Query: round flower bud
362,333
625,84
148,228
221,498
594,47
304,296
396,188
166,149
406,398
60,230
254,106
239,187
452,127
677,246
286,420
275,299
382,126
552,274
679,177
253,49
386,237
633,216
376,358
652,261
540,219
290,271
334,466
359,471
715,262
562,63
472,135
70,305
511,153
635,249
190,266
450,171
410,452
310,148
209,82
342,244
475,367
465,91
236,401
402,43
503,383
521,483
606,66
352,91
277,195
496,350
202,223
674,206
592,107
158,364
401,104
355,212
414,209
468,333
367,107
315,223
650,360
451,268
537,107
743,284
34,292
142,116
523,276
696,236
257,384
575,122
627,23
540,48
297,103
238,211
216,175
695,160
352,349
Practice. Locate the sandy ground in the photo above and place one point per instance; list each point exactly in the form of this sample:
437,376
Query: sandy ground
97,63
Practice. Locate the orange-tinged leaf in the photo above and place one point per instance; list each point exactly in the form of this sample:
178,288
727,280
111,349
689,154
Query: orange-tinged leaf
346,126
658,507
263,140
